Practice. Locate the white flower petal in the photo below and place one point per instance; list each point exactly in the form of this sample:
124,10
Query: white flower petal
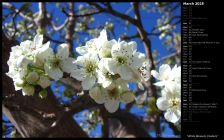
44,82
18,84
67,65
88,82
138,59
161,83
101,39
62,51
155,74
133,45
127,97
22,61
125,72
32,77
106,83
111,65
105,51
38,40
82,50
172,116
54,73
111,105
162,103
164,71
43,55
97,95
78,74
26,46
103,35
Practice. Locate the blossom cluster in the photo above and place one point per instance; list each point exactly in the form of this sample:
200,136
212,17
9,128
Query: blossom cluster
33,63
170,100
105,68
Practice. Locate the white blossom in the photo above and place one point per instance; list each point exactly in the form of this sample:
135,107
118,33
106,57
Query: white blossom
170,102
99,45
105,76
125,58
166,75
58,63
111,98
85,70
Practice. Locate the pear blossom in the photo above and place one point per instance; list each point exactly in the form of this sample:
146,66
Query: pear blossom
105,76
125,58
170,102
86,70
33,47
167,75
32,63
58,63
93,45
105,68
111,98
99,45
142,74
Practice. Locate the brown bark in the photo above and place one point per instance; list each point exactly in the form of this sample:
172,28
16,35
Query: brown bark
125,124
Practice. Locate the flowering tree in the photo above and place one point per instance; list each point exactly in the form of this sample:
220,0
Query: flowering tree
97,77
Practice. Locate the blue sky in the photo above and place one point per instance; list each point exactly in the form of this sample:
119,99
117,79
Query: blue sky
148,20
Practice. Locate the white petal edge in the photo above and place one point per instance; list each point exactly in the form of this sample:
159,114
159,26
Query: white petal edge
88,82
111,105
62,51
172,116
162,103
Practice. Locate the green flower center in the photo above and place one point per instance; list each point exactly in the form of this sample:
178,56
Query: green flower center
90,67
114,93
55,63
121,60
174,103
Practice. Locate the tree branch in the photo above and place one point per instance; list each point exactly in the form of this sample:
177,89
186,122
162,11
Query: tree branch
58,28
70,27
105,127
147,45
110,10
10,6
167,57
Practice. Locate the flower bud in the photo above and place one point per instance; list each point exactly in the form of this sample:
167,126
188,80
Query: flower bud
28,90
32,77
18,83
44,81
